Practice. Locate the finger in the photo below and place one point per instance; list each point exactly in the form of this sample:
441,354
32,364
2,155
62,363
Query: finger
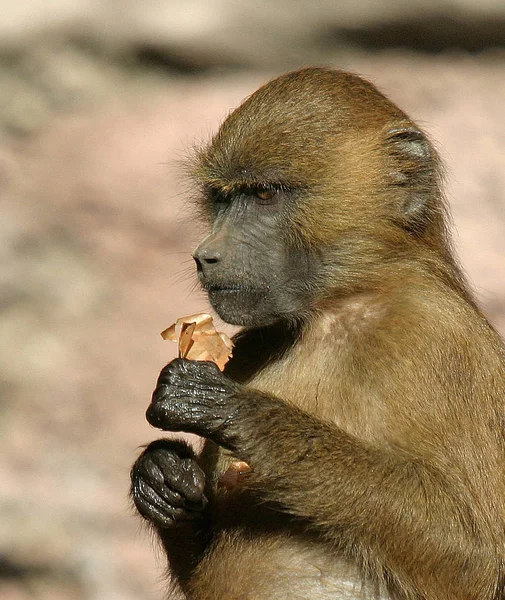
160,484
153,508
150,505
191,482
190,369
166,414
177,479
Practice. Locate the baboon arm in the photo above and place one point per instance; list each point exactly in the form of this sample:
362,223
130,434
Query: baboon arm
382,505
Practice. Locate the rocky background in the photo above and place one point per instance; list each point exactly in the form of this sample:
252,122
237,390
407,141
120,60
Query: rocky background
99,104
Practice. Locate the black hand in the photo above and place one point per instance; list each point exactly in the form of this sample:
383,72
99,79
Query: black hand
194,396
167,484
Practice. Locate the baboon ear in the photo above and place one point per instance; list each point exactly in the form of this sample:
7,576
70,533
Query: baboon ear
414,171
410,142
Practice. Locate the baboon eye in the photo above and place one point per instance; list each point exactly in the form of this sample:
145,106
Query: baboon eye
265,195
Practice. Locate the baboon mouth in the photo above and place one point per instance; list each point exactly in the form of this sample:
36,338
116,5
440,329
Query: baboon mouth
218,290
233,289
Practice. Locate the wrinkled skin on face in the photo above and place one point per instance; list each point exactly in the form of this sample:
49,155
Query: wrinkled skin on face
253,273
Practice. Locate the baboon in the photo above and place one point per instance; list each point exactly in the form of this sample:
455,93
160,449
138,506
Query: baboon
366,391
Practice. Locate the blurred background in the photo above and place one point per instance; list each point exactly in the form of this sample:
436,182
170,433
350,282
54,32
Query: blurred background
100,101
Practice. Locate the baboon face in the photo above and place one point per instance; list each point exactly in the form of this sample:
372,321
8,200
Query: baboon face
252,271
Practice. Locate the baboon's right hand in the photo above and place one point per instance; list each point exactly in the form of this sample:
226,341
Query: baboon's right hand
168,484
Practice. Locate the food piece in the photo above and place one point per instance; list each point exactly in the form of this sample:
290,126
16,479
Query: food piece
233,475
186,341
198,339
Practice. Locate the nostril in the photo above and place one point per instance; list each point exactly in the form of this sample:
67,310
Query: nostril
198,264
205,256
204,259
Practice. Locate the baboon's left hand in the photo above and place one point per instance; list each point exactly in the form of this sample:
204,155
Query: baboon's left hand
194,396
